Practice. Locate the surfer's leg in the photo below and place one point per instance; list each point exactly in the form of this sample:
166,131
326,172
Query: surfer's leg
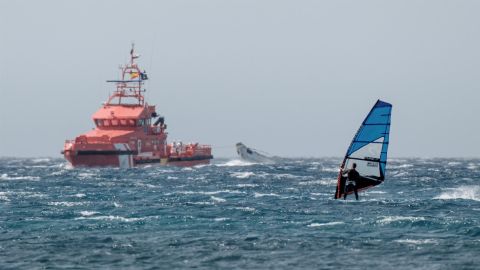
355,189
345,192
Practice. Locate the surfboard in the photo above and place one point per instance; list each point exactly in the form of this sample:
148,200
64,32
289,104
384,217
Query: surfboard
368,150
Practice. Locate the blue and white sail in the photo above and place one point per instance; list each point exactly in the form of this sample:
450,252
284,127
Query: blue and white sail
368,149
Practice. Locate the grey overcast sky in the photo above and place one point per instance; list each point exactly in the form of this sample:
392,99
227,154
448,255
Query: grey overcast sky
293,78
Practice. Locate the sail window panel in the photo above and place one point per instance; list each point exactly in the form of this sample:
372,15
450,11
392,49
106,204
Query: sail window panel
364,167
366,135
369,151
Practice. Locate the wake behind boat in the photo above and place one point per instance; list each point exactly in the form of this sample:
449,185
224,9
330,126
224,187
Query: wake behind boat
252,155
368,150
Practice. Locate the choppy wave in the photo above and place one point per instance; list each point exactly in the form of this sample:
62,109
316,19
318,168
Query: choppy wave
325,182
88,213
416,241
238,215
217,199
247,185
245,208
259,195
235,163
5,176
221,219
4,197
333,223
111,218
392,219
67,204
462,192
189,192
401,166
242,175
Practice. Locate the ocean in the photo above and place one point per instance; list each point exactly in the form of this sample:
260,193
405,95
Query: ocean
237,215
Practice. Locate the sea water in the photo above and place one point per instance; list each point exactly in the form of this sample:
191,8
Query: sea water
237,215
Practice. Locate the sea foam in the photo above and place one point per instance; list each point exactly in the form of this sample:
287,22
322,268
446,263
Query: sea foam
462,192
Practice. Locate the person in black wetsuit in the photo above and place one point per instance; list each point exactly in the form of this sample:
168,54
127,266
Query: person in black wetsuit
352,180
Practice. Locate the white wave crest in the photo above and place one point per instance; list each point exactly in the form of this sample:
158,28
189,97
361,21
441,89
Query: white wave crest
40,160
259,195
322,182
85,175
202,203
235,163
325,224
111,218
201,166
247,185
221,219
462,192
242,175
3,197
454,163
399,174
472,166
7,177
376,192
246,209
330,169
67,204
416,241
217,199
391,219
22,194
285,176
208,192
400,166
88,213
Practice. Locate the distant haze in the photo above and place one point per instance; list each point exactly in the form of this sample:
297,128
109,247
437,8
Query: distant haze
292,78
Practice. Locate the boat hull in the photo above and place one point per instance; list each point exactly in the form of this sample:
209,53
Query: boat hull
88,159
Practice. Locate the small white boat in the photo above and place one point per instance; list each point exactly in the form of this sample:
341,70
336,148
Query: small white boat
252,155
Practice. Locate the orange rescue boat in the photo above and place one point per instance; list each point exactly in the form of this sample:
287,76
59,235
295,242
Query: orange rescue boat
129,132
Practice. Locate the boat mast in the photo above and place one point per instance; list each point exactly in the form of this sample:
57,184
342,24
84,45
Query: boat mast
131,83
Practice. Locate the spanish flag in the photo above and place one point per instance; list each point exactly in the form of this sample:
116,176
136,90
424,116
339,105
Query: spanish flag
134,75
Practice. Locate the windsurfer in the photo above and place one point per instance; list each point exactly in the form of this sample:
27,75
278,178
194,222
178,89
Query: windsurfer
352,178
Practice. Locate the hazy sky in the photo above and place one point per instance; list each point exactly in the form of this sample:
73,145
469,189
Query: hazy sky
293,78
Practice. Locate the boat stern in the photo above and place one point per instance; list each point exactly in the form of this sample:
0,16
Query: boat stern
82,153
